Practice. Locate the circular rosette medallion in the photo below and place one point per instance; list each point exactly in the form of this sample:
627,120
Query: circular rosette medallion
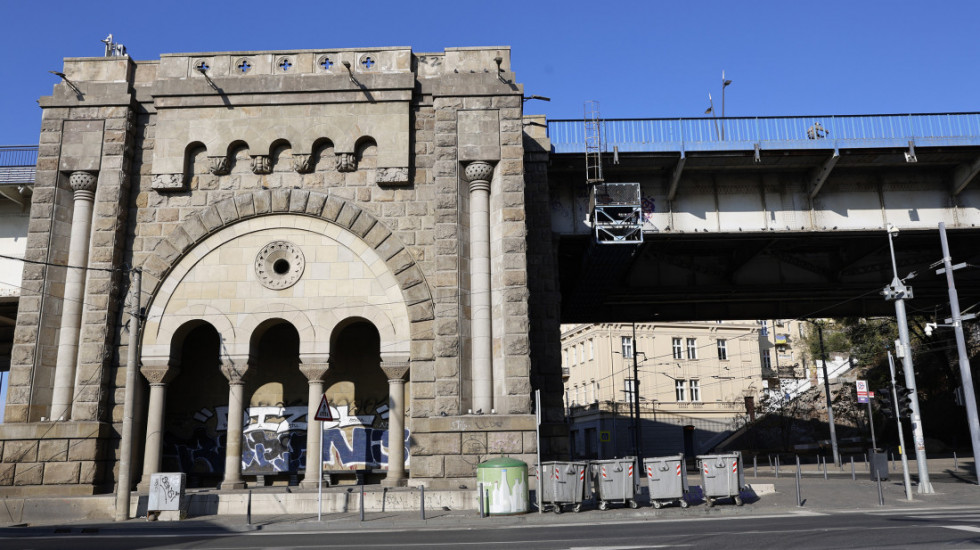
279,265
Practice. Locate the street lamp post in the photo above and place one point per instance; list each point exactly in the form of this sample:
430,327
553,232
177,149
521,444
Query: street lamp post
724,84
897,291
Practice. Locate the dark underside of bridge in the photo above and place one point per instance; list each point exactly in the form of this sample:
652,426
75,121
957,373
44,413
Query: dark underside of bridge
760,275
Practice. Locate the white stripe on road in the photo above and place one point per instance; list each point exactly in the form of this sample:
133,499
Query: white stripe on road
969,528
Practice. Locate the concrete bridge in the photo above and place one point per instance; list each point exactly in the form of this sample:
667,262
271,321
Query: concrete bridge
767,217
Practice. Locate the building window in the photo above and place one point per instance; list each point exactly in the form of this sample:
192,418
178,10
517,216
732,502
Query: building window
676,344
722,350
595,390
564,357
628,388
591,349
695,390
574,356
766,360
692,348
582,395
679,386
765,328
627,346
582,351
567,397
575,394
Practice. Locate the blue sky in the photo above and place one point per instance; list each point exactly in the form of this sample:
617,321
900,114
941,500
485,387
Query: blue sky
638,59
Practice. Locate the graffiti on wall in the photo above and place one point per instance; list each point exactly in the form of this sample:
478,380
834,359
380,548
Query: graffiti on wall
274,441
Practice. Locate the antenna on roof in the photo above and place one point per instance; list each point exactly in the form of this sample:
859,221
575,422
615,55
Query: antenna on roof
113,49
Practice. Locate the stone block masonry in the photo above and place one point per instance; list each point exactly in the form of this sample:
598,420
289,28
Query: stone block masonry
376,219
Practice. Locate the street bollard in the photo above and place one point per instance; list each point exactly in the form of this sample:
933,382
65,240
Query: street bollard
777,466
755,466
248,511
853,477
825,467
881,497
480,491
422,500
362,503
866,465
384,493
770,460
799,474
956,464
891,466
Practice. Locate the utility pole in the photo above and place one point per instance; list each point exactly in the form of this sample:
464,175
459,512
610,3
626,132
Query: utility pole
830,407
897,291
126,444
966,377
638,446
901,432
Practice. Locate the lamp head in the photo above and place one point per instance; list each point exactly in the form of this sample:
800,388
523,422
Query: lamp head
892,230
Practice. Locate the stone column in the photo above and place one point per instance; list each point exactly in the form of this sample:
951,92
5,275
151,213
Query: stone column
478,174
396,422
314,428
235,371
158,374
83,184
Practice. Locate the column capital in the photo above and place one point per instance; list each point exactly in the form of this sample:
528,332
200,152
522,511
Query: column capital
235,368
82,181
159,371
478,174
219,165
395,370
314,372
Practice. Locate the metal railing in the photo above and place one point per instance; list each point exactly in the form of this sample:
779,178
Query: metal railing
744,133
17,164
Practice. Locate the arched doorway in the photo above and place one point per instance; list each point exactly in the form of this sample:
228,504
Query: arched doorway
274,435
357,390
195,422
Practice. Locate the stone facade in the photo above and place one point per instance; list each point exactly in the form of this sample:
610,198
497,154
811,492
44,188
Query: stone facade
287,196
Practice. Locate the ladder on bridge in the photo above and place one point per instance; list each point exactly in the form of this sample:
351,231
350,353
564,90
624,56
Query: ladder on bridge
615,209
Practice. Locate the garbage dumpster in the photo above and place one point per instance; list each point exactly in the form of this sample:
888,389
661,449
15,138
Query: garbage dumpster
563,483
614,481
505,486
667,478
878,464
722,476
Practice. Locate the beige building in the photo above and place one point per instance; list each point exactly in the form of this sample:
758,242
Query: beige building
698,381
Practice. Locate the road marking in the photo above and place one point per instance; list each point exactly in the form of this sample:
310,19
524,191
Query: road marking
969,528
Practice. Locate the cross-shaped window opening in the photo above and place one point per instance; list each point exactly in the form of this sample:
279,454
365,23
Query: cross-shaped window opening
326,63
203,66
368,62
244,66
285,64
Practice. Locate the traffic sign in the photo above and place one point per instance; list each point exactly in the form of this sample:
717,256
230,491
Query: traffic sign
862,389
323,411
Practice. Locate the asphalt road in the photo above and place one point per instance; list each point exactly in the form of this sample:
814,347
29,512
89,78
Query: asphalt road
932,528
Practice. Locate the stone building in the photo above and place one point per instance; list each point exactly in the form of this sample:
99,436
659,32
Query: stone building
351,225
698,381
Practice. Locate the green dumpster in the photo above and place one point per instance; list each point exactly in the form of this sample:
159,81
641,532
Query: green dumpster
504,486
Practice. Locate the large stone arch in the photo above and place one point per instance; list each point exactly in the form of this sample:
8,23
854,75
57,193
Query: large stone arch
202,232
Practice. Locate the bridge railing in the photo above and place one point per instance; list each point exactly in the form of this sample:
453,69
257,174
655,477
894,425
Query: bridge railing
17,164
744,133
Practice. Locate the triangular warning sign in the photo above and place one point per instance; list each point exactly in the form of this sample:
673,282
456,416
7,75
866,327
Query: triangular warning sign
323,411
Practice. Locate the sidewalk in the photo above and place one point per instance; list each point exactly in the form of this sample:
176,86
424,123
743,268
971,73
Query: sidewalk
837,494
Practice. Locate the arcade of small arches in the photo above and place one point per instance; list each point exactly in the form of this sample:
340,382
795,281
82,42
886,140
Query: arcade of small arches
280,155
344,326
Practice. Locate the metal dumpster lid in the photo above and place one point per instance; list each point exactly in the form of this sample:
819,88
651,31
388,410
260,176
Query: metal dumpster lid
502,462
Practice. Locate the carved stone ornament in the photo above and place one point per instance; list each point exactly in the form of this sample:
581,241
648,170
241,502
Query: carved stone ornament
346,162
395,371
219,166
303,163
235,370
261,164
279,265
158,373
168,182
82,181
478,171
314,371
391,175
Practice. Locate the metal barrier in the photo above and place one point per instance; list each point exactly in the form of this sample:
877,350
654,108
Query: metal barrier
744,133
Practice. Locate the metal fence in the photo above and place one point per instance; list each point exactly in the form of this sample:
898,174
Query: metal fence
744,133
17,164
